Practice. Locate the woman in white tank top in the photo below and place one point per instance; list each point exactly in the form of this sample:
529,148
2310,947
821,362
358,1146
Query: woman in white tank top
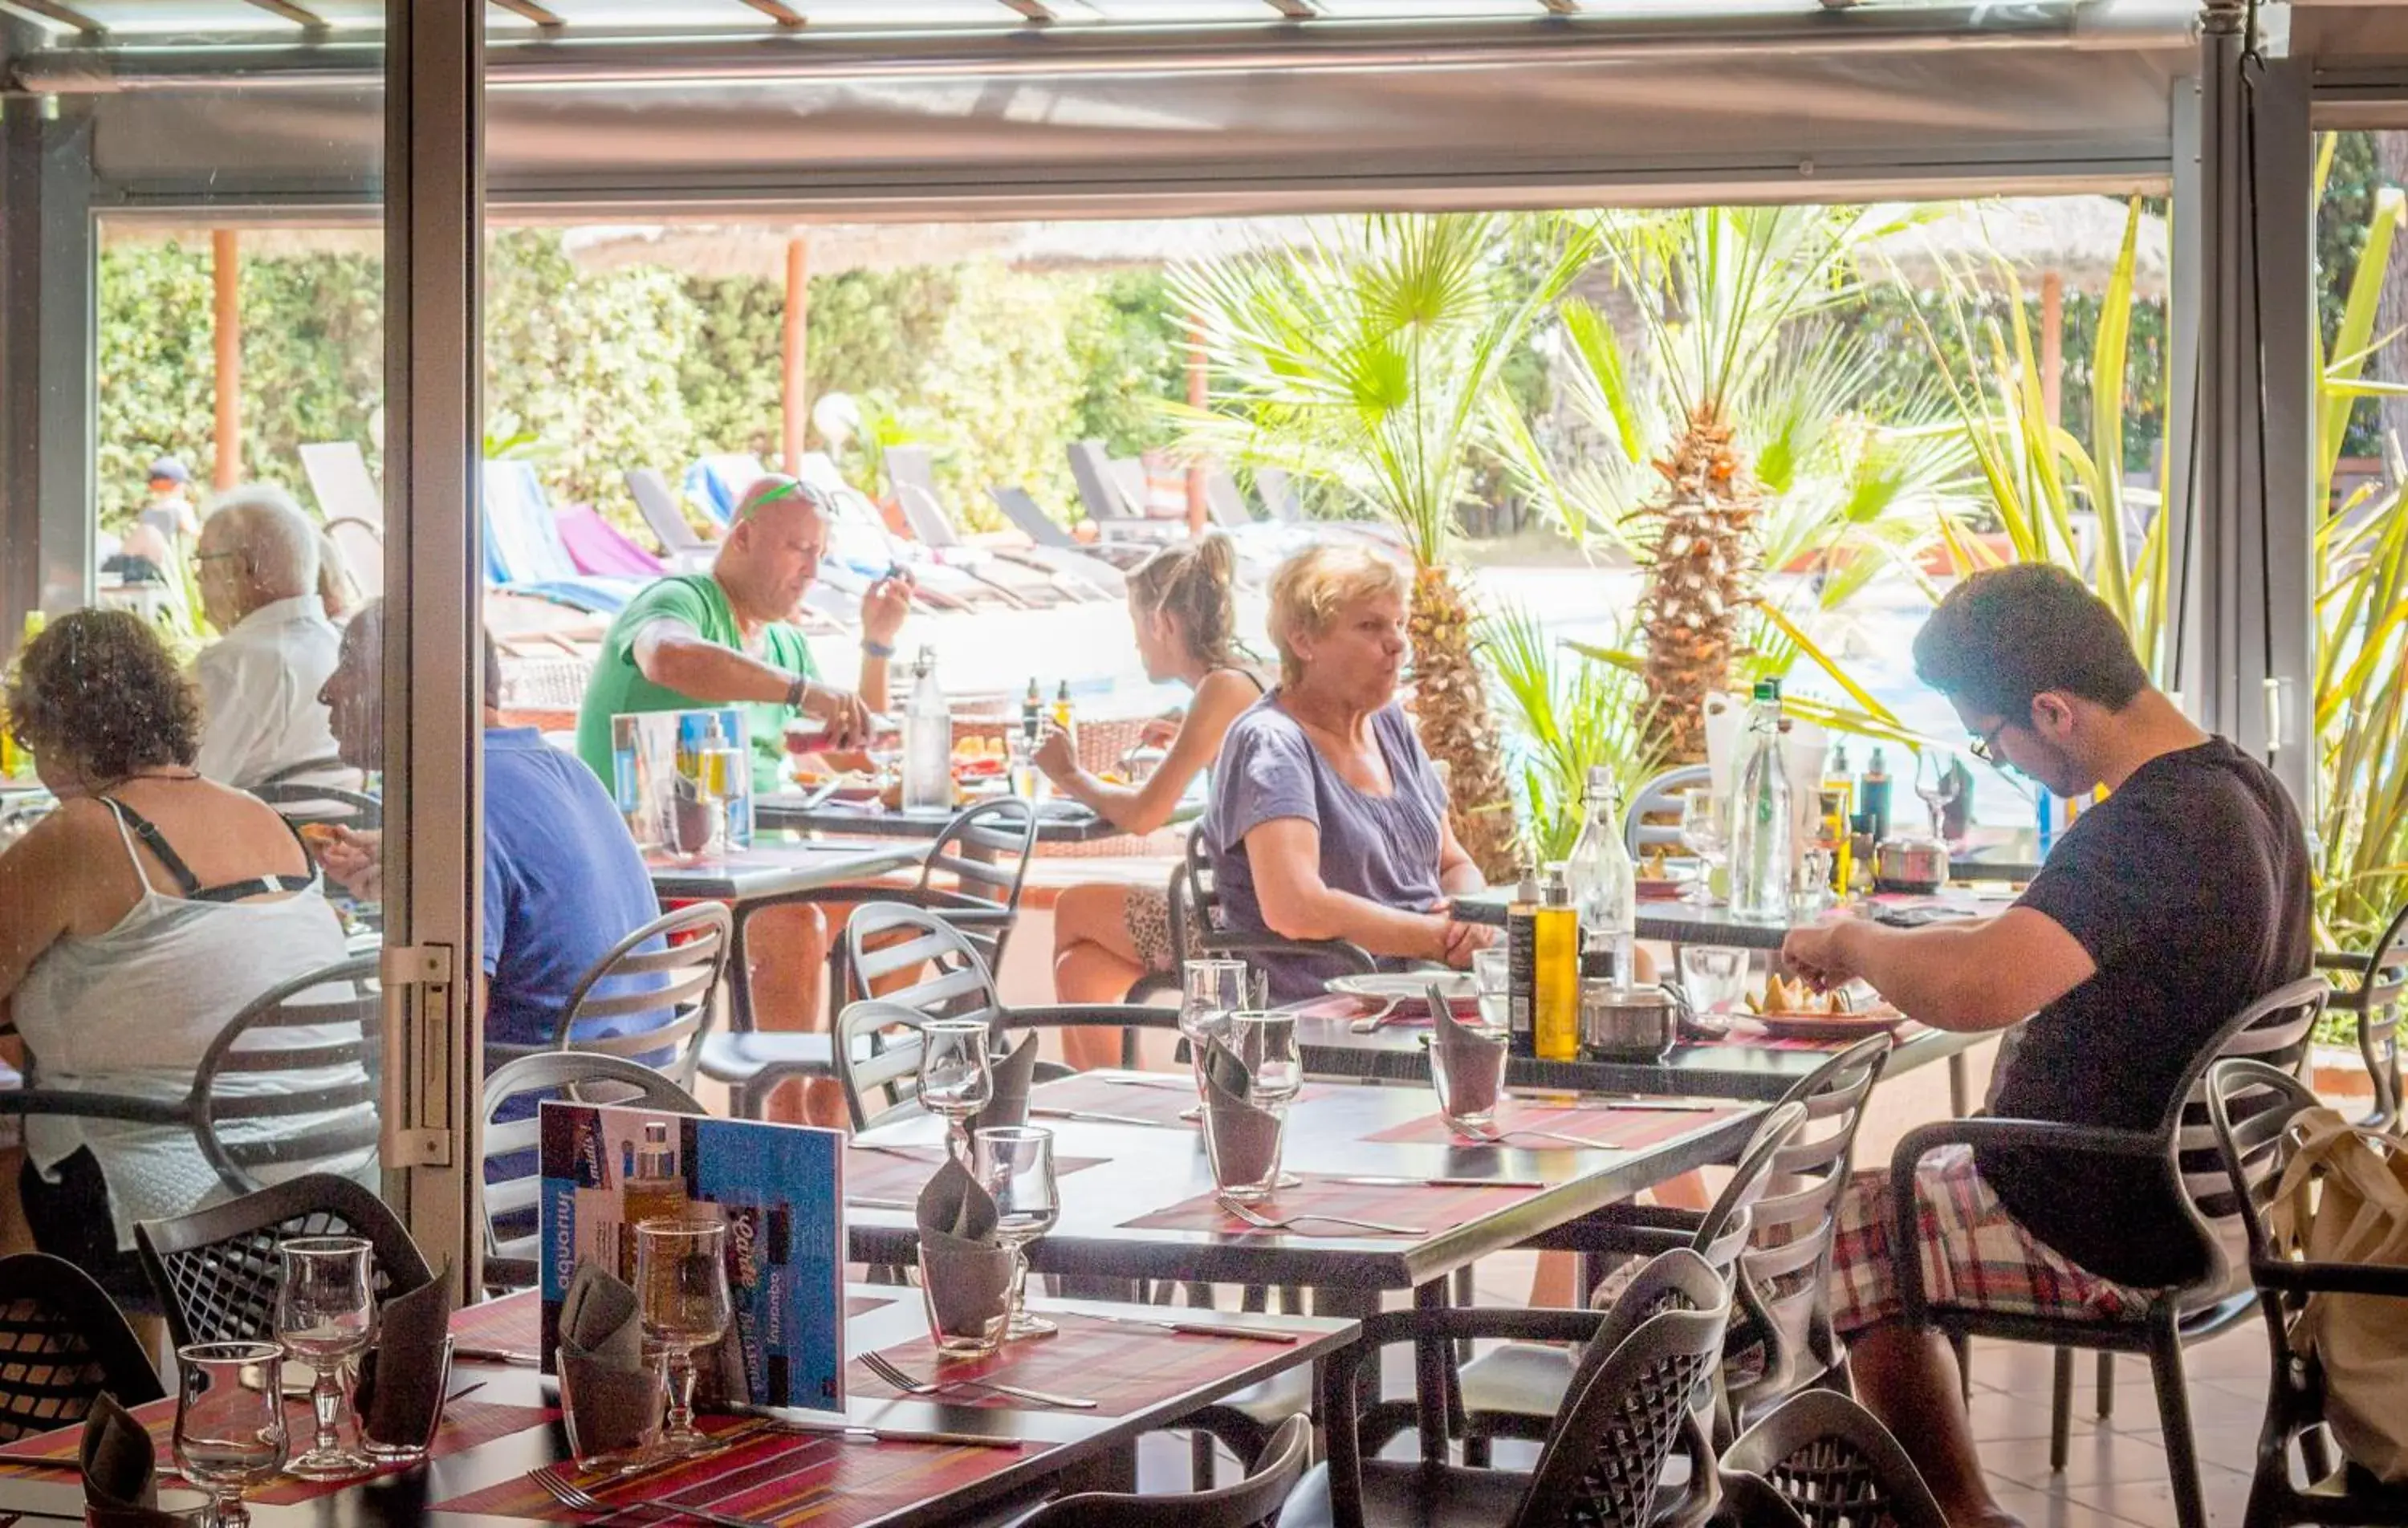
135,922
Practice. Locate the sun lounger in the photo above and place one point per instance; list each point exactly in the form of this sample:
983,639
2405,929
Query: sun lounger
340,481
601,549
1279,495
658,502
1037,575
1107,501
361,545
523,550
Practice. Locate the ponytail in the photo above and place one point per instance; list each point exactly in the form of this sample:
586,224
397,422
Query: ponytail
1196,585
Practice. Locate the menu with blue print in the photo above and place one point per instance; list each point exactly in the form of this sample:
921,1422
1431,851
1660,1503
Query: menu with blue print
779,1189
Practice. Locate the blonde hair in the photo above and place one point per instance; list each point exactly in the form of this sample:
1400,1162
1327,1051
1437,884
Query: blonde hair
1194,584
1312,587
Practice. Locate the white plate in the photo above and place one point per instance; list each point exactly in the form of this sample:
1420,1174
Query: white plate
1395,986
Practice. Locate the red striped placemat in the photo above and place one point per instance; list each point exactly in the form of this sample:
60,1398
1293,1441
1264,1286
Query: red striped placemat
1602,1125
785,1478
1428,1207
900,1172
1157,1102
1121,1367
514,1322
466,1424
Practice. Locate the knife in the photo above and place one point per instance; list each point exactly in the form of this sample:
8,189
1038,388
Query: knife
495,1356
1375,1180
880,1204
1090,1117
837,1427
1207,1329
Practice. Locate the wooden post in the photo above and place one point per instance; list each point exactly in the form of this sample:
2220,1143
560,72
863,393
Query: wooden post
2052,346
795,408
1199,393
225,257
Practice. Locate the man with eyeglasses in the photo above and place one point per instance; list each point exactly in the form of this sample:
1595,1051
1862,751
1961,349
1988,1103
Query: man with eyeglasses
257,568
2161,912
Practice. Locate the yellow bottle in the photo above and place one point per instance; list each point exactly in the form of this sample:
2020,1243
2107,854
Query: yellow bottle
1557,959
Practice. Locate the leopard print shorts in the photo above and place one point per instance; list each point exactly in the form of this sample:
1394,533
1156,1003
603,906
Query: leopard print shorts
1146,912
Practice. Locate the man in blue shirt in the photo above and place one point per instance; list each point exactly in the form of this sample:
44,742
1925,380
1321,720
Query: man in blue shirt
564,883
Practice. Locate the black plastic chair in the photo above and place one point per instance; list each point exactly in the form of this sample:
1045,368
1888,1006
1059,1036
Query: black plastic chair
1635,1400
1820,1461
2381,979
1780,1335
514,1182
2252,1107
673,964
985,851
1251,1503
63,1343
2276,1024
1204,912
215,1269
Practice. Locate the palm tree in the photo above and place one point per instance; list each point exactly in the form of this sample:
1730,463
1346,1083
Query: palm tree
1371,357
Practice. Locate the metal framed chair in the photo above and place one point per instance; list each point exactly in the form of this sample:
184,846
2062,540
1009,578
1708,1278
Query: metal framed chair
513,1179
1641,826
65,1342
1635,1401
338,807
2253,1107
1820,1461
1203,913
984,851
673,964
2276,1024
215,1269
2381,979
1252,1503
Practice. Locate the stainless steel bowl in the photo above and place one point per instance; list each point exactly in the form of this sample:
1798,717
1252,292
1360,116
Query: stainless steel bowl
1914,864
1625,1024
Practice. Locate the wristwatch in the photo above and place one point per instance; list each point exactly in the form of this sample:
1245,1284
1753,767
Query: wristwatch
795,692
877,650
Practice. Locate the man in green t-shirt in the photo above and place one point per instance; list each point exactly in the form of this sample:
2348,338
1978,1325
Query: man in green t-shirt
727,638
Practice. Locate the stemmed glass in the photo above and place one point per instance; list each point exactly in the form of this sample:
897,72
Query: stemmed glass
1936,782
1210,992
1266,1042
956,1075
229,1422
325,1313
681,1293
1015,1165
1705,829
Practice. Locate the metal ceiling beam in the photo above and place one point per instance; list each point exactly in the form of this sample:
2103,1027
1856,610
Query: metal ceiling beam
299,15
532,10
778,11
51,10
1035,10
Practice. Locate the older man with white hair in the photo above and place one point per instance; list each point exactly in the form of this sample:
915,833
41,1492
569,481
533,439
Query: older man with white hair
260,717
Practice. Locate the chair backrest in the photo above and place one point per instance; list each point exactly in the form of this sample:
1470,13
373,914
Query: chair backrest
294,1083
718,482
2251,1107
670,968
985,851
2376,1000
62,1342
600,548
215,1269
523,541
332,804
1783,1304
1657,798
1279,495
877,1046
1723,1230
1221,497
1824,1461
514,1179
912,470
1103,494
2275,1030
361,545
1603,1460
339,479
1252,1503
1195,907
1029,518
658,504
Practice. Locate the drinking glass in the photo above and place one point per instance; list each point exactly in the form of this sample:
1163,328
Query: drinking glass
1015,1165
956,1075
1705,829
1210,992
1936,783
229,1422
1491,978
325,1313
1715,978
681,1294
1266,1042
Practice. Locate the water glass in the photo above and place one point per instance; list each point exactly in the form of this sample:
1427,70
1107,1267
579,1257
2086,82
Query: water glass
1266,1042
683,1300
1245,1148
1705,829
229,1422
956,1073
1014,1163
1210,992
1809,891
325,1314
1492,980
1715,977
1469,1080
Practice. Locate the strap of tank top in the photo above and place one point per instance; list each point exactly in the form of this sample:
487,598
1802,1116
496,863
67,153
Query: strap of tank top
1249,675
156,842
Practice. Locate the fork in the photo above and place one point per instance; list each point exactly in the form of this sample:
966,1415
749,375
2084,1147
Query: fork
886,1369
1264,1222
1498,1138
567,1493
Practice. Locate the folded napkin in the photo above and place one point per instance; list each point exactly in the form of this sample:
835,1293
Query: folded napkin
402,1379
966,1273
121,1484
1469,1058
610,1396
1242,1136
1011,1077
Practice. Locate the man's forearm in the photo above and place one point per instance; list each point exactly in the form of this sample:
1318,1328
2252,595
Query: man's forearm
715,676
1931,975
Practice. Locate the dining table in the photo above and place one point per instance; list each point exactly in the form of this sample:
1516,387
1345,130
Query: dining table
779,1469
763,872
1059,820
1677,921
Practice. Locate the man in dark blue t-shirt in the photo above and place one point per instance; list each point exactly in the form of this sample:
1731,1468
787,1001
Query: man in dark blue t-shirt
564,883
2163,911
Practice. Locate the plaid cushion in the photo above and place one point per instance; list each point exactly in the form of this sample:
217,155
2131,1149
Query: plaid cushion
1975,1255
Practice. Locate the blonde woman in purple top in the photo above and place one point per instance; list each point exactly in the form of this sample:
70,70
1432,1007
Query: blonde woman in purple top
1328,821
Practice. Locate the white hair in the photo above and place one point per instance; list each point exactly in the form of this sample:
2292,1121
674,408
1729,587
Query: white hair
275,534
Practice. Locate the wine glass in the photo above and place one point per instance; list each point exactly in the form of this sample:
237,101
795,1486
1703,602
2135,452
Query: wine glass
1210,992
1015,1165
682,1298
229,1422
1936,783
956,1075
325,1313
1705,829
